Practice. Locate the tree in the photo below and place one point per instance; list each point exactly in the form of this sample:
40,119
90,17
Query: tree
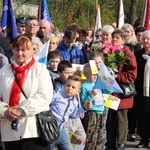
83,12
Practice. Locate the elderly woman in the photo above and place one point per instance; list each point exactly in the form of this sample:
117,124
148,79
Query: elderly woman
18,114
54,41
142,86
106,36
117,121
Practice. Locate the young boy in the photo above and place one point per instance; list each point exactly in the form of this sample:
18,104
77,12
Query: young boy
64,70
92,120
53,60
65,105
73,125
67,47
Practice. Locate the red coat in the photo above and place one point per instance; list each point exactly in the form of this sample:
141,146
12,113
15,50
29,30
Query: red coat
127,74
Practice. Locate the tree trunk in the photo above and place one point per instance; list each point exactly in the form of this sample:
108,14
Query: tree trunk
132,11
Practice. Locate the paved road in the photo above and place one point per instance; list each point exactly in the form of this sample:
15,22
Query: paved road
132,145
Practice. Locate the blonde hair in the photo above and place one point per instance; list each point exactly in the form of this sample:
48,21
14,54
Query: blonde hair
50,37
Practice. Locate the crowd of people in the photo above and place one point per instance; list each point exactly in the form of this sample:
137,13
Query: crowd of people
72,99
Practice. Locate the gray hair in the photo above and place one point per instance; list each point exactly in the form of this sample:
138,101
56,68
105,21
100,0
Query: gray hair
133,39
108,29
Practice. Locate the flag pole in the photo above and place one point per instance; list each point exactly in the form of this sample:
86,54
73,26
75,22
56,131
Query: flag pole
118,9
39,10
143,10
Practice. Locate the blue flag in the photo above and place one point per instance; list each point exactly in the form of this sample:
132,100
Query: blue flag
106,81
8,19
45,14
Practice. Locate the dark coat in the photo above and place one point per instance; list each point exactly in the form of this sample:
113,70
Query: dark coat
4,43
127,74
142,102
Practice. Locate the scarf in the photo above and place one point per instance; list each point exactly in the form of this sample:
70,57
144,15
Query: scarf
146,85
14,97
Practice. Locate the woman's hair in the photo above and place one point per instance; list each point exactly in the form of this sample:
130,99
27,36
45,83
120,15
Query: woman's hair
133,39
120,32
75,78
22,42
107,29
50,37
90,28
96,54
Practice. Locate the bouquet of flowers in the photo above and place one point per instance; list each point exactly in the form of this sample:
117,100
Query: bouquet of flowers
114,56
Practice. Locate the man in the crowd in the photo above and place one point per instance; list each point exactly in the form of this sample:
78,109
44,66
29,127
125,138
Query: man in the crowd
32,28
45,28
20,23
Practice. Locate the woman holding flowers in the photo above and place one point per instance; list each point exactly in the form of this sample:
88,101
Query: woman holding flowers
127,73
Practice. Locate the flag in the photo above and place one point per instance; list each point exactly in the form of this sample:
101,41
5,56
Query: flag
106,81
145,21
8,19
120,19
41,54
98,23
44,12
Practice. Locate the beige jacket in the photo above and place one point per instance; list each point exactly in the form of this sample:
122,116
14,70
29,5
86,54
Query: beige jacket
39,90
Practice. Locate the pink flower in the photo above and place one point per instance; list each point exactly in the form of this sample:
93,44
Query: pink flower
106,50
115,48
88,49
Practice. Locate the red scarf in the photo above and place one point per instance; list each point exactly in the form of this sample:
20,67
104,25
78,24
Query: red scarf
14,98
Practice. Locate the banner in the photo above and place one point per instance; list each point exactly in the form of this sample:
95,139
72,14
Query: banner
8,23
145,21
120,19
98,23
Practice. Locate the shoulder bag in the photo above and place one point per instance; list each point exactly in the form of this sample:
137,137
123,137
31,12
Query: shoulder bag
47,127
128,89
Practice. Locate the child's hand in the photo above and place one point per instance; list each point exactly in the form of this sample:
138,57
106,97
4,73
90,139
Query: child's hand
94,92
88,105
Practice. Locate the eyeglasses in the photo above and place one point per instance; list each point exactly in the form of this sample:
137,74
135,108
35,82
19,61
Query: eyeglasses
32,25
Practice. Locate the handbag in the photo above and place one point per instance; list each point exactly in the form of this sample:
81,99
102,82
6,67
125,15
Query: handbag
47,126
128,89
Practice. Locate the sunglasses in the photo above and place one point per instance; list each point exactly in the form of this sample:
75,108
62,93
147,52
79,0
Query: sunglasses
98,35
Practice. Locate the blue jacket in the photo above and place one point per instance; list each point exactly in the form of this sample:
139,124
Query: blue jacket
64,108
74,55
